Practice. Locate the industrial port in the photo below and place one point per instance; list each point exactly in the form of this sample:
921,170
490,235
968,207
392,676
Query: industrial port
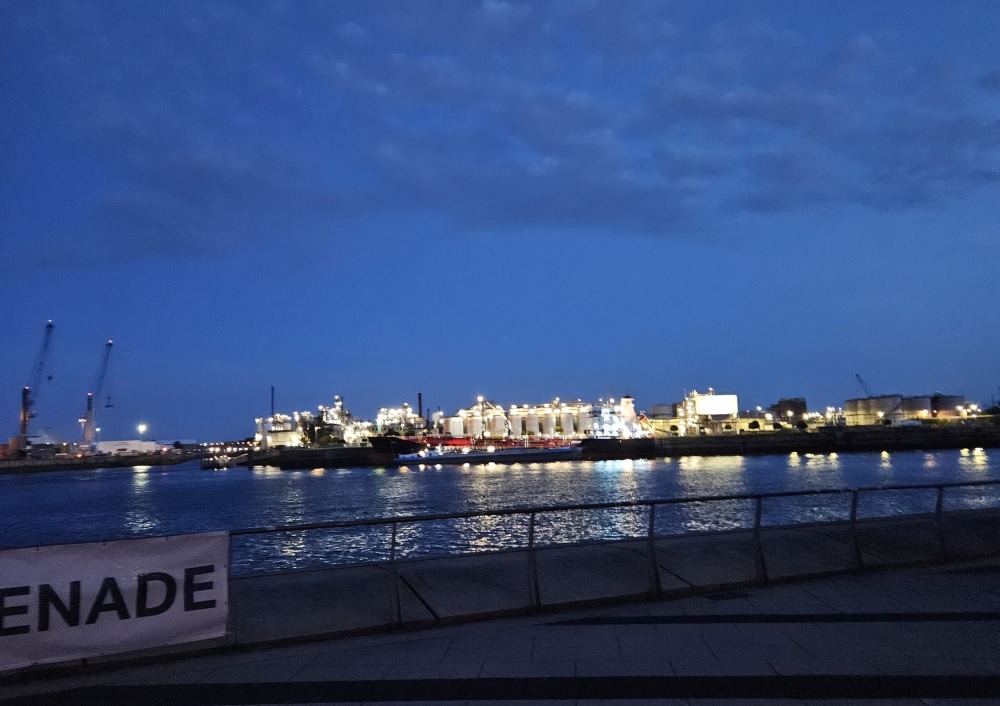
699,423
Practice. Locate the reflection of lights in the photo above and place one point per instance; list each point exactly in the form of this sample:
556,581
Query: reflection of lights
317,471
976,461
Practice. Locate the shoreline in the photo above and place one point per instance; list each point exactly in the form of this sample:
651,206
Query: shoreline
36,465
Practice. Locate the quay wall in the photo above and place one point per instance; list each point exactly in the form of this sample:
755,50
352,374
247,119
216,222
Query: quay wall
39,465
826,440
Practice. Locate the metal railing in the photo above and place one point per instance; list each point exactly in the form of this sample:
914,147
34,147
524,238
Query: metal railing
531,514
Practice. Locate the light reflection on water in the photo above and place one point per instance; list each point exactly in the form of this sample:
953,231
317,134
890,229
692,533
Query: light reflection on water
111,503
140,518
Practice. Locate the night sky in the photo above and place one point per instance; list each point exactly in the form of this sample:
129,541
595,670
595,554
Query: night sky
519,200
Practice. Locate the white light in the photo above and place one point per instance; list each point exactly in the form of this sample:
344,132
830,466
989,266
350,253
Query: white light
141,427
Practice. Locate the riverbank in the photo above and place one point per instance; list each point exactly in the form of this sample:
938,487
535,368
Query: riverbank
84,463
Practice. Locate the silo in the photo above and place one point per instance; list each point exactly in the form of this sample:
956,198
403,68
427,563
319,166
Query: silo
568,428
474,426
516,425
549,423
586,420
531,424
498,426
454,426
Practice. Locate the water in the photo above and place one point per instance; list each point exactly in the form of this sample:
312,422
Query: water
74,506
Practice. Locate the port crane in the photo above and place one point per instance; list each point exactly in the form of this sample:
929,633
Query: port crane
88,420
29,395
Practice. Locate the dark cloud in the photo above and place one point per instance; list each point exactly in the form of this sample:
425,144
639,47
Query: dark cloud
208,128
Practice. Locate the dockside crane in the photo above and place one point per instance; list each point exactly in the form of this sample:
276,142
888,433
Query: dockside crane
29,395
88,421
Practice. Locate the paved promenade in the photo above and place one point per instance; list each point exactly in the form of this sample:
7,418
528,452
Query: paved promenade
913,636
905,609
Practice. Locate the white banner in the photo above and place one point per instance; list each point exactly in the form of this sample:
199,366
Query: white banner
71,601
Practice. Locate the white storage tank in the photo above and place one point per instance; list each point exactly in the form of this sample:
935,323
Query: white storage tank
516,425
568,427
549,424
531,424
474,428
586,421
454,426
498,426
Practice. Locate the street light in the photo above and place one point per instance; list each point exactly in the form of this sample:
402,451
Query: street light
141,427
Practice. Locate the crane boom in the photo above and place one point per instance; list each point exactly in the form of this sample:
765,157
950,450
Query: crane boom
29,395
864,386
89,416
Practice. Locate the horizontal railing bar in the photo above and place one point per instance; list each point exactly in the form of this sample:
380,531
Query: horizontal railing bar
506,512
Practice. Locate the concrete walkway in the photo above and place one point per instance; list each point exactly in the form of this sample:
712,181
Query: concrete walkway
420,593
687,617
917,635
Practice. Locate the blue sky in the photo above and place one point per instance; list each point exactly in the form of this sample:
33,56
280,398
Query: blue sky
522,200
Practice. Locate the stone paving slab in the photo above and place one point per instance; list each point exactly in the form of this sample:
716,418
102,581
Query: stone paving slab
478,584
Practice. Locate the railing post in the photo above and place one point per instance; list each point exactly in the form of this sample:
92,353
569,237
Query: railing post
939,521
534,597
859,561
397,597
759,541
655,587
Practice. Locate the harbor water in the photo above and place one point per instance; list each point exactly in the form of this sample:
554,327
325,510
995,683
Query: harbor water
75,506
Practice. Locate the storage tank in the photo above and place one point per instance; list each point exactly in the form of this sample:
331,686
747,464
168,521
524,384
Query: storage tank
531,424
498,426
947,405
454,426
474,426
873,410
586,421
516,425
662,411
549,424
568,427
916,407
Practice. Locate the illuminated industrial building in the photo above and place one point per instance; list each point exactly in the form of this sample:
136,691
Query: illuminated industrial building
698,413
332,425
549,420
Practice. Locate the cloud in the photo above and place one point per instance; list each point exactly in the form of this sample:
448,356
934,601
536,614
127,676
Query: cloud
199,129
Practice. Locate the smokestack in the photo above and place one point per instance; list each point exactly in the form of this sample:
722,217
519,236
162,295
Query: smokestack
420,404
272,400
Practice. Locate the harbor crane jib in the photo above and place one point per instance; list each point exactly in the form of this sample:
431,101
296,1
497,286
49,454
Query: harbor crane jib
29,395
88,421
